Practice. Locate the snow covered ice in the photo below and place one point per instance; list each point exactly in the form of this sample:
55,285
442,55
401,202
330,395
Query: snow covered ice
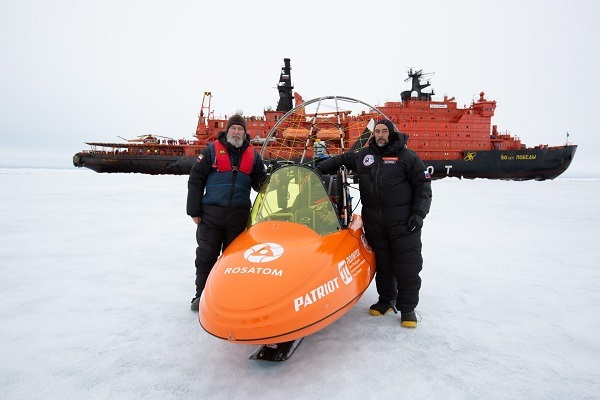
98,272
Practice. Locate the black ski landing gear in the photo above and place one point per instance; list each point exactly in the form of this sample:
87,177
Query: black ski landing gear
277,351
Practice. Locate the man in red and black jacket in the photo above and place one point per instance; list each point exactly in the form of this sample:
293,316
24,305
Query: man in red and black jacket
218,197
395,191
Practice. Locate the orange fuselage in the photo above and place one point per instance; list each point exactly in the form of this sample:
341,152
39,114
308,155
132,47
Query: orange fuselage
280,281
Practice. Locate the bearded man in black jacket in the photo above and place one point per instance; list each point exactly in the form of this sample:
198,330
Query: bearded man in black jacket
395,191
218,197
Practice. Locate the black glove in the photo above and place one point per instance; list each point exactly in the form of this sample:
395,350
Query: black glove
415,222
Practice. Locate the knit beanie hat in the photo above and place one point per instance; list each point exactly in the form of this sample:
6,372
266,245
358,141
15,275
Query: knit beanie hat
393,131
236,119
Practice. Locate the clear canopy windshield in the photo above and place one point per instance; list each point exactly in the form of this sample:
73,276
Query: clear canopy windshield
296,194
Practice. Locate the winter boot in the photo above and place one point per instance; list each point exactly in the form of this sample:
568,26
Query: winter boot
195,303
381,307
409,319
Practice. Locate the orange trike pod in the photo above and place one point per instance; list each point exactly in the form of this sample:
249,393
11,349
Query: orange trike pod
301,264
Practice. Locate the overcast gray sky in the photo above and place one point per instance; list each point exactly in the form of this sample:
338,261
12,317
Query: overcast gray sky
76,71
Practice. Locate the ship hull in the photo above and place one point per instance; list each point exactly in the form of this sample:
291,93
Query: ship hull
528,164
142,164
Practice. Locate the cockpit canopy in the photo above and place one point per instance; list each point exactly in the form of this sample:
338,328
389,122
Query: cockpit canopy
295,193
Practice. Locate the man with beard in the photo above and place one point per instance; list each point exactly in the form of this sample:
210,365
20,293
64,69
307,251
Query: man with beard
218,197
395,191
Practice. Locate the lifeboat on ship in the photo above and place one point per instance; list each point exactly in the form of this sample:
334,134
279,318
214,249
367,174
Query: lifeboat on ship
301,264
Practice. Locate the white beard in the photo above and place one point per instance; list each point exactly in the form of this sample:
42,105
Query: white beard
235,142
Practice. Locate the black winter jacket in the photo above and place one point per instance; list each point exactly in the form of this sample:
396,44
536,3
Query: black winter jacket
393,177
238,192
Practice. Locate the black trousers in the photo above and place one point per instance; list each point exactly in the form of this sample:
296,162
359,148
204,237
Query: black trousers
398,259
218,227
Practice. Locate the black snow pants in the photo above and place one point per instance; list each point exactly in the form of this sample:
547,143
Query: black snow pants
217,228
397,256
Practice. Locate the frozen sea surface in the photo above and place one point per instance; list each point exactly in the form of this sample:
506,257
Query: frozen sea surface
97,275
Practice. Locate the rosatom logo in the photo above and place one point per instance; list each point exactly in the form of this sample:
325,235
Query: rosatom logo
344,272
264,252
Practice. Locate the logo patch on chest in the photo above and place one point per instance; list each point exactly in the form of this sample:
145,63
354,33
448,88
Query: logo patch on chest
368,160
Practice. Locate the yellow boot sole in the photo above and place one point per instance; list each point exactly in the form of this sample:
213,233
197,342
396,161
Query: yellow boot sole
377,313
409,324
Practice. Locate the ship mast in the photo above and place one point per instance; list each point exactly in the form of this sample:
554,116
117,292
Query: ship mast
204,115
416,92
285,87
